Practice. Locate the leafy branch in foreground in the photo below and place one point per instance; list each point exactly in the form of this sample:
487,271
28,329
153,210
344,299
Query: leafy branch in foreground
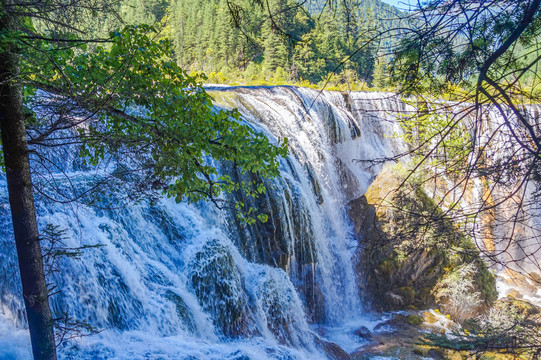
131,102
479,152
122,106
67,328
53,247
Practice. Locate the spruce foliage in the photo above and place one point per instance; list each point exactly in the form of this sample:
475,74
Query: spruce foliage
300,43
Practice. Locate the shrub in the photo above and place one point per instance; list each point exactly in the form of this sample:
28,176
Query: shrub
456,293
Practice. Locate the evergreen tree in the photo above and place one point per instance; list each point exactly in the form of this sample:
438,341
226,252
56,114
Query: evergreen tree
380,73
280,34
275,54
143,12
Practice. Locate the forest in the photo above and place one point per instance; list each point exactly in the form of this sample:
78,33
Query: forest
300,42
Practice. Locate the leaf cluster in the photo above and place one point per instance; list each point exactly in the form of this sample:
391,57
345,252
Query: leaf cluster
128,100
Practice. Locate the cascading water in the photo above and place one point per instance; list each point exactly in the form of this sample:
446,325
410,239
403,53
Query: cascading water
178,281
511,232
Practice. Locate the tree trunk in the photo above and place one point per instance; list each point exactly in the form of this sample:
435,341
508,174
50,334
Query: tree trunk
21,200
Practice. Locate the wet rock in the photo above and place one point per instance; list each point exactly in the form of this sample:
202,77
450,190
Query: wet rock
436,354
238,355
429,317
348,180
524,284
536,277
333,350
314,298
219,287
280,308
522,306
397,322
514,294
423,352
316,188
437,323
363,215
394,300
321,331
183,311
363,332
399,341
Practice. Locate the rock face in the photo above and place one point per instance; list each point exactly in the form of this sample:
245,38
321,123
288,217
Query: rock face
332,350
220,289
363,332
399,342
408,245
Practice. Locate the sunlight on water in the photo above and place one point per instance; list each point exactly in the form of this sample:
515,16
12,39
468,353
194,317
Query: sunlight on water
177,281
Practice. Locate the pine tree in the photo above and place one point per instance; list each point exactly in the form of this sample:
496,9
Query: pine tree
380,75
275,54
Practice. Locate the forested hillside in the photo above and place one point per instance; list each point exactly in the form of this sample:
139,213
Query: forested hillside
241,42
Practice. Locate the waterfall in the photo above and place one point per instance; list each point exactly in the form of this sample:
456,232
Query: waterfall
179,281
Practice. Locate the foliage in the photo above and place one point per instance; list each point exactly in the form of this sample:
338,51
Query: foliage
444,47
435,131
482,55
464,67
457,294
54,248
281,35
143,109
219,287
508,328
120,100
481,157
67,328
415,252
415,320
338,82
311,41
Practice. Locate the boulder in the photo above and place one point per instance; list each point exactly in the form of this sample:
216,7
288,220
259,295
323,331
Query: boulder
407,244
333,350
363,332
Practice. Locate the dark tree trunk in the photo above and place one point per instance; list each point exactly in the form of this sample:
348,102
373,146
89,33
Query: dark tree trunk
21,200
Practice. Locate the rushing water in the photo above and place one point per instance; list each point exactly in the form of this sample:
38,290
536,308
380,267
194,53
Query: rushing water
179,281
173,281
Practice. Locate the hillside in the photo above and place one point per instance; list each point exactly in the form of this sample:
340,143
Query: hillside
240,41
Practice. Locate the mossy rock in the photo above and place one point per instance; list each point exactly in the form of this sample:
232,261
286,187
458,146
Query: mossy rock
415,320
498,356
429,318
238,355
425,294
407,293
405,256
523,307
183,311
455,355
387,267
219,287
